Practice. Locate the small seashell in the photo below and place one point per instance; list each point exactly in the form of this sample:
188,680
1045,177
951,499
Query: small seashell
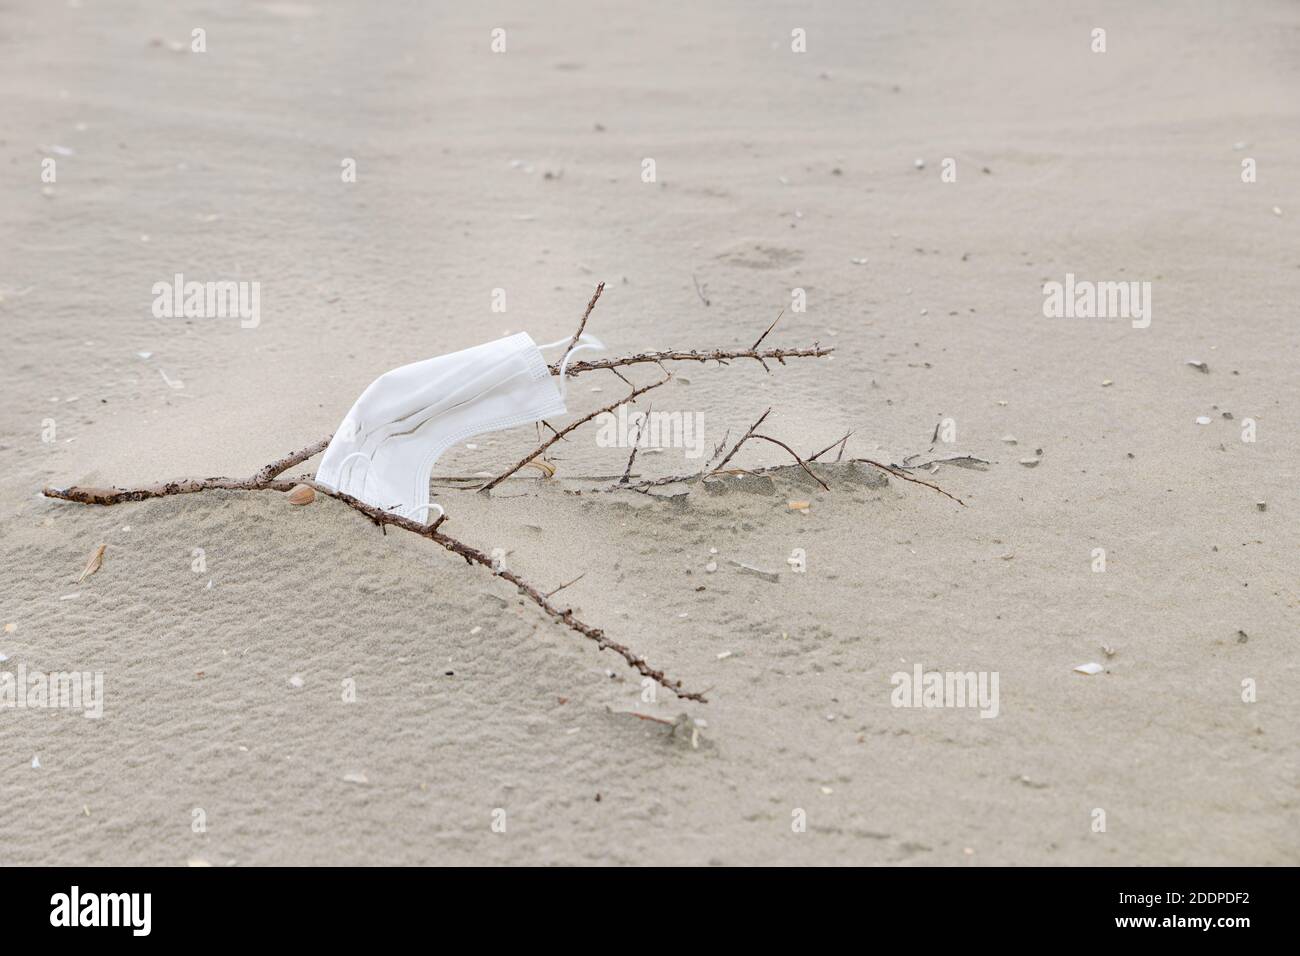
1203,420
545,467
798,506
1092,667
1030,462
301,495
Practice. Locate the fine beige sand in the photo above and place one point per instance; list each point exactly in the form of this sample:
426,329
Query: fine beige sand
225,738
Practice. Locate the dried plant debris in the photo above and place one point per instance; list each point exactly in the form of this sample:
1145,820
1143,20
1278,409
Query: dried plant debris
94,564
305,489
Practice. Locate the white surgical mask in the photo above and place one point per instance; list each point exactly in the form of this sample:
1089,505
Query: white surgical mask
384,451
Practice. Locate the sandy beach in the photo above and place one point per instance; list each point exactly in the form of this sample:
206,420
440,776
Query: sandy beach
292,685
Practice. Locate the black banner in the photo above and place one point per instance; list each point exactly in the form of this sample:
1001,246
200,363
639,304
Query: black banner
1219,906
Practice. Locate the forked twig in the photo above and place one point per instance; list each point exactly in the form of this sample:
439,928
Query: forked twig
841,443
635,445
801,462
564,431
735,448
906,477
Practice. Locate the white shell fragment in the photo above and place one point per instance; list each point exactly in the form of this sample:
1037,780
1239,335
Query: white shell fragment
772,576
1090,668
1203,419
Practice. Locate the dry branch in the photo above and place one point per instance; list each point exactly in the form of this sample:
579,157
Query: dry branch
803,464
735,448
899,473
842,442
471,554
716,355
564,431
583,324
267,479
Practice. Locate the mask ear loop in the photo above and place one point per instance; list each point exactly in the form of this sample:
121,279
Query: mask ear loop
586,341
431,504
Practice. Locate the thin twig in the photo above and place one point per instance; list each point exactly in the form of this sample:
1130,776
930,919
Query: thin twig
566,584
564,431
897,473
473,555
803,463
715,355
657,720
282,465
722,464
635,443
769,329
701,291
585,315
718,449
178,486
829,447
